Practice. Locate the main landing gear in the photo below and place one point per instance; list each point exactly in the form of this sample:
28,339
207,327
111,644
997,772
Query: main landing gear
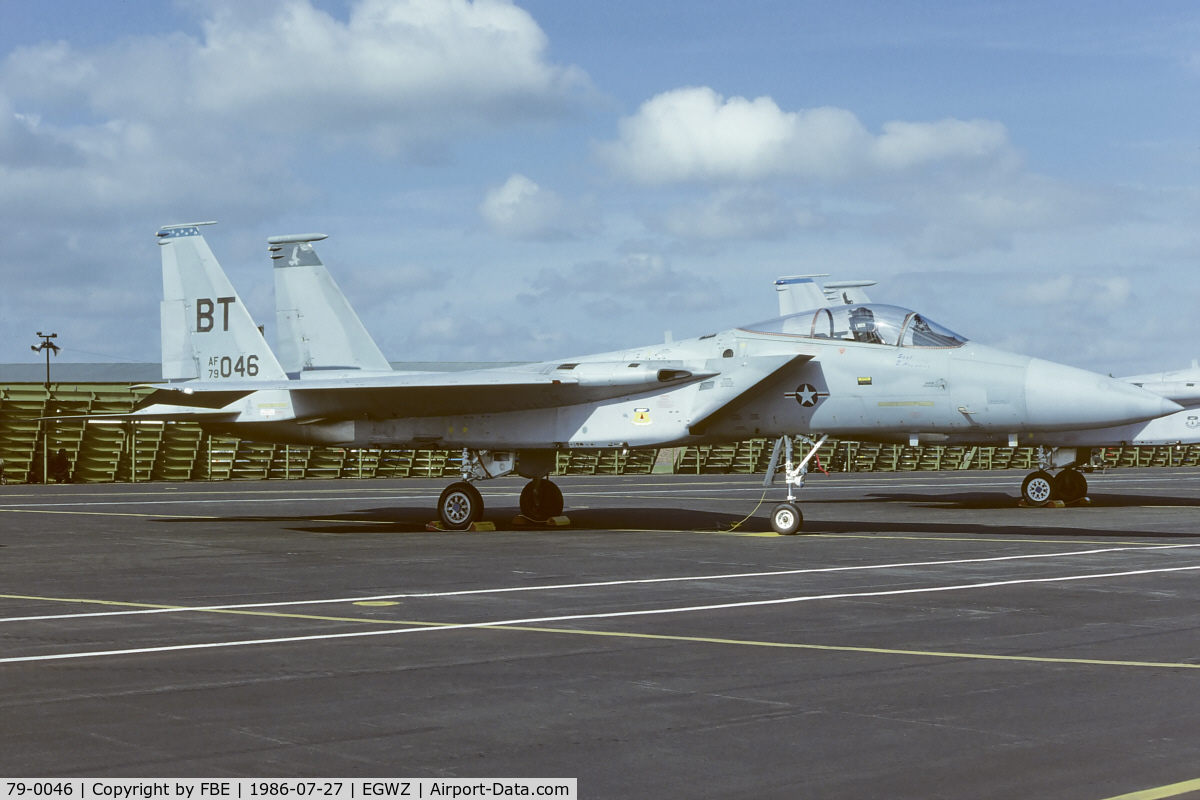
786,518
1069,485
461,504
541,499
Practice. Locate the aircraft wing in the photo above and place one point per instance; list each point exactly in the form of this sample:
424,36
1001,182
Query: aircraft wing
426,394
758,373
190,398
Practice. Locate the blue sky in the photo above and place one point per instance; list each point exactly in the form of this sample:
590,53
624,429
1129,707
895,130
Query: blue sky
545,179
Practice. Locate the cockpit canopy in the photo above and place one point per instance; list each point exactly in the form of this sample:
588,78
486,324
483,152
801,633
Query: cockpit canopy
873,323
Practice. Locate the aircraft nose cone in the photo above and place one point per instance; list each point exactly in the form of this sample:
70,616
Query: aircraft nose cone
1058,397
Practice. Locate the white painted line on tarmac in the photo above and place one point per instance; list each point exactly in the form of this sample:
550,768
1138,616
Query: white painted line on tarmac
562,586
583,617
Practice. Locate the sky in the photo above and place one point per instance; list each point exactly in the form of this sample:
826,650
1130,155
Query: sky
542,179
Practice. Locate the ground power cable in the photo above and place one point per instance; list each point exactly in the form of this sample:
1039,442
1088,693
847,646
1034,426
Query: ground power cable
738,524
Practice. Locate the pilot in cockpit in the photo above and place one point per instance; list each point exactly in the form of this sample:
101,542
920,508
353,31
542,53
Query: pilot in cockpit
862,326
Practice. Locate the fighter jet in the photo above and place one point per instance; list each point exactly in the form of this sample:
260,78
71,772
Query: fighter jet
1066,451
305,292
867,371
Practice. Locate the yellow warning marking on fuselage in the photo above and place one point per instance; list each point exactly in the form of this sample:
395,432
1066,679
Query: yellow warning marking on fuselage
1173,790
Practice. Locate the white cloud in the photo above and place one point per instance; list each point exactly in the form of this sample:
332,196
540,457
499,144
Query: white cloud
390,286
521,209
736,214
941,189
1103,295
954,215
396,74
100,144
695,134
640,282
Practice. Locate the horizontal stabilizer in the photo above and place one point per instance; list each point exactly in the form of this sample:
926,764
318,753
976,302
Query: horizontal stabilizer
182,415
216,398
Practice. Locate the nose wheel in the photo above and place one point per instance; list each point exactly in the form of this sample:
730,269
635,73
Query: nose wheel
460,505
786,519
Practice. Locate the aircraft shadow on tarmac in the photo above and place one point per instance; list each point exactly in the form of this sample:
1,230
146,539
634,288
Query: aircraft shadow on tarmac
384,520
1000,500
408,519
616,520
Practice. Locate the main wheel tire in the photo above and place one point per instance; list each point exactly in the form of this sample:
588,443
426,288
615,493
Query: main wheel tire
460,505
786,519
541,499
1038,488
1070,485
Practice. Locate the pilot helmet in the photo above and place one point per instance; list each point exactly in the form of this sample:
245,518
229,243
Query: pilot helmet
862,319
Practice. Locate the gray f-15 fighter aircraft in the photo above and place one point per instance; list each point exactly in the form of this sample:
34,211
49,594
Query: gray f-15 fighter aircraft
319,330
870,371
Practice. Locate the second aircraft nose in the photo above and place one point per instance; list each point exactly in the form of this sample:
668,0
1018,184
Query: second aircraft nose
1066,398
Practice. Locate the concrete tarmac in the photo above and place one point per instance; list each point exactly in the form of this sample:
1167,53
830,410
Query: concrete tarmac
924,637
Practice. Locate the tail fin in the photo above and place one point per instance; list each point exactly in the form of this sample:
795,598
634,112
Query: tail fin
847,292
800,293
317,327
207,333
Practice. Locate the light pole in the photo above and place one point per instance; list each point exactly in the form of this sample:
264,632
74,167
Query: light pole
49,347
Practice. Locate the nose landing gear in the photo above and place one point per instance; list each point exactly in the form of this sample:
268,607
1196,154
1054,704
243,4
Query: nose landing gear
786,518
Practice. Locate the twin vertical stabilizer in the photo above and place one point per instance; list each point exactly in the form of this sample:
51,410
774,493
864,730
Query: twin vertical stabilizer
207,333
317,328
